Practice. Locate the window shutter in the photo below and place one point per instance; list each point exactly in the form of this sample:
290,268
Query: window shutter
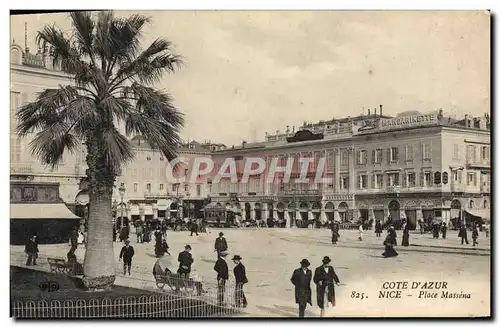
372,182
389,155
374,153
405,176
365,157
421,178
396,154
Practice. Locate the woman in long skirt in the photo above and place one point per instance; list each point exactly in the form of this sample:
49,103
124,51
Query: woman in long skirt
389,243
406,236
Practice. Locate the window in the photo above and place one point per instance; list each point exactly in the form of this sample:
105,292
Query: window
445,178
437,178
471,179
471,204
14,104
344,182
410,179
394,154
186,187
122,184
148,187
456,152
344,158
427,178
362,157
148,158
377,156
426,151
161,187
161,158
393,179
15,152
409,152
379,181
363,181
471,153
135,187
457,176
485,204
331,159
198,190
485,154
175,187
185,172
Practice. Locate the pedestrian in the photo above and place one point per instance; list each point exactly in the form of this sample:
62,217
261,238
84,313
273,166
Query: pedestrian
127,253
378,228
360,229
486,230
444,228
462,233
301,279
335,232
240,278
185,259
114,234
220,244
435,229
421,224
222,276
324,278
31,249
138,232
75,268
164,227
159,249
193,227
406,236
475,234
390,243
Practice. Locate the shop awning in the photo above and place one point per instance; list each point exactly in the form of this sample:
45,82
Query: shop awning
482,213
41,211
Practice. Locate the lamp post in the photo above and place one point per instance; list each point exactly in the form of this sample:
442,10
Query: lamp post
121,190
188,205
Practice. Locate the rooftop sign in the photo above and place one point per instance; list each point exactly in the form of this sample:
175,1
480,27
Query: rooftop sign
409,121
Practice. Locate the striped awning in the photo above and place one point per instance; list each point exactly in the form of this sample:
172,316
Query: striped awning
482,213
41,211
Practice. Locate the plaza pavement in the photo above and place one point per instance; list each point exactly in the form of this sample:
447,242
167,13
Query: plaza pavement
271,255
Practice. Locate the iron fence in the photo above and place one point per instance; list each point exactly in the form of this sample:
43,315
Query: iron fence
153,306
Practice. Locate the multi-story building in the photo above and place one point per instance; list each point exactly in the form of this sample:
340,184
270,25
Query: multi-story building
30,74
150,193
414,166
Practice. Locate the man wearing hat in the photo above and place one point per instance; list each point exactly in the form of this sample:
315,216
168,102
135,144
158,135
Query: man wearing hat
127,253
185,259
301,279
220,244
222,275
324,277
240,277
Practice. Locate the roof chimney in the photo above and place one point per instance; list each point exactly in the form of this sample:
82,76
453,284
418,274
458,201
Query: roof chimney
369,112
375,111
243,143
381,110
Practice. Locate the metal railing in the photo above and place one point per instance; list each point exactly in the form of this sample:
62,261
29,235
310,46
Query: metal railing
153,306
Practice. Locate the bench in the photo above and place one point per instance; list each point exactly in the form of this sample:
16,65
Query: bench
58,266
176,283
61,267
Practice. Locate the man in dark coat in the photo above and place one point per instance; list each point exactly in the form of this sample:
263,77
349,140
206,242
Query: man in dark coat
222,276
462,233
220,244
193,227
335,232
444,229
378,228
31,249
301,279
324,277
127,253
240,277
406,236
185,259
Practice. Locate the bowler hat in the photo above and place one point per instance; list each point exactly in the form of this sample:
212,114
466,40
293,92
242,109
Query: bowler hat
305,263
223,253
127,241
326,259
221,234
236,257
187,247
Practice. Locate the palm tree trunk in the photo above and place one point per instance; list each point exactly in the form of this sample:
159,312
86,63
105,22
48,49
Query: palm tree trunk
99,265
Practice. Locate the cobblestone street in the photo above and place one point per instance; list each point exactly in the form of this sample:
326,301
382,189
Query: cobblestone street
271,255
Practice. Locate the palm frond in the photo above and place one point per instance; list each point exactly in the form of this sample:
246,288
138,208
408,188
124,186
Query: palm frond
84,29
116,149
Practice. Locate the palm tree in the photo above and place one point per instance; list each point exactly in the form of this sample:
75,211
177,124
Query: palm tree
113,82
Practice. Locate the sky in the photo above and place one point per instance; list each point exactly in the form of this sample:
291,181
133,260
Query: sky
251,72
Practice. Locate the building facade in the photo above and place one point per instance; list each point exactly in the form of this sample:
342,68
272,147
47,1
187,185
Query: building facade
414,167
29,74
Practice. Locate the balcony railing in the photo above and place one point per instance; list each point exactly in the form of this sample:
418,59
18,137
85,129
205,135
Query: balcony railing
21,168
481,163
159,194
458,188
485,189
